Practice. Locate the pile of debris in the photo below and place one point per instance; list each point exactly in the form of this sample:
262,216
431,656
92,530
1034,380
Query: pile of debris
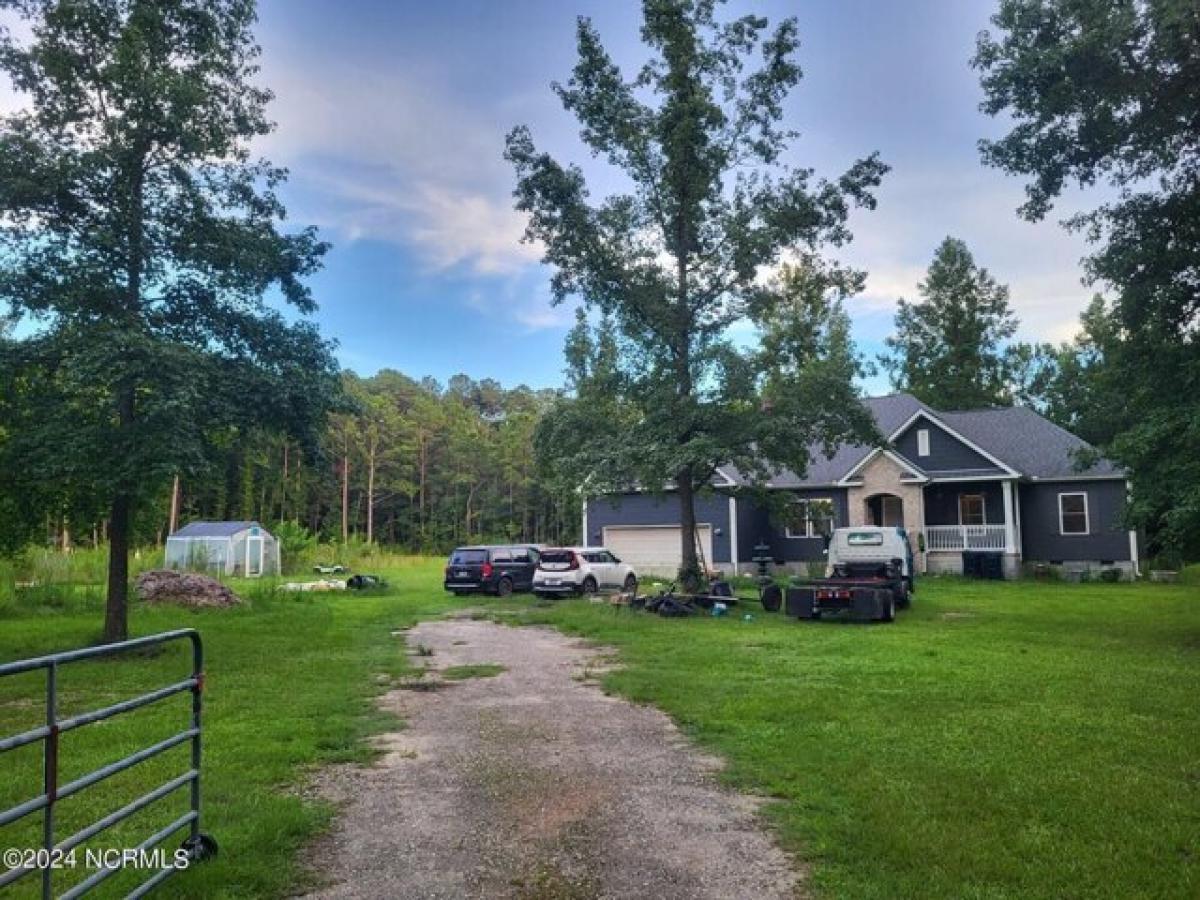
185,589
670,604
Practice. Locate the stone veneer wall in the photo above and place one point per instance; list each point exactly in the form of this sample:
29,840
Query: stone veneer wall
882,476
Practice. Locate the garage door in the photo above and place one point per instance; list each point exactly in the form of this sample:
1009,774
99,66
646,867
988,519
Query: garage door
653,549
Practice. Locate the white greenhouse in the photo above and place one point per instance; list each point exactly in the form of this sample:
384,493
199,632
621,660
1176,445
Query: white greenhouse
243,549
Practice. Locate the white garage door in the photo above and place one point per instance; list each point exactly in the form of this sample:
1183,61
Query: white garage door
653,549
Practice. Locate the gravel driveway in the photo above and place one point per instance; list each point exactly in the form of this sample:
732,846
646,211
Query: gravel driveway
534,784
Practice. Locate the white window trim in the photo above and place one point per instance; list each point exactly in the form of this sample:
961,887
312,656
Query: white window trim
1087,515
982,502
808,522
922,442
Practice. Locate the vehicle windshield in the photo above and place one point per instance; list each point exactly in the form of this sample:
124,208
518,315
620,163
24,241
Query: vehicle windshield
864,539
468,557
557,556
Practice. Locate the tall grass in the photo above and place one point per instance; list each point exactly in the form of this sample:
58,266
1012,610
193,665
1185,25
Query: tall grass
47,579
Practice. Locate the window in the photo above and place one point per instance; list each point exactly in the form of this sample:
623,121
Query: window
864,539
501,556
923,442
809,518
971,509
1073,514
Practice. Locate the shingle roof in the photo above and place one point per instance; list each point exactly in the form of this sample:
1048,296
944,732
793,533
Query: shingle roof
1025,441
213,529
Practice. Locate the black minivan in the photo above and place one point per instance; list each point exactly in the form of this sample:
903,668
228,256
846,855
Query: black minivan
496,570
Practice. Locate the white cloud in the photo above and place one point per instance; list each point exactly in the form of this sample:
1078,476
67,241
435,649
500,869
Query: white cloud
1040,262
384,155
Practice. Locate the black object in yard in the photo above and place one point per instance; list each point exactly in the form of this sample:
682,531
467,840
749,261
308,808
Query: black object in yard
363,582
771,597
978,564
720,588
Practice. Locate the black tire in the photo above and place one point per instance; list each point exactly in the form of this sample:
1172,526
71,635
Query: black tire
888,613
903,598
588,587
504,587
201,847
630,584
771,597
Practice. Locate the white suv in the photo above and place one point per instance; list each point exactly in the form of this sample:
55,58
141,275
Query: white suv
581,570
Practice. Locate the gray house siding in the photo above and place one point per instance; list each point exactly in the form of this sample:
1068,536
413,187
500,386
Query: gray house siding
941,502
760,528
1107,538
650,509
946,452
749,528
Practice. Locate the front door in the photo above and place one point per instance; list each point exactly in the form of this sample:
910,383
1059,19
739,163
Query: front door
891,511
254,557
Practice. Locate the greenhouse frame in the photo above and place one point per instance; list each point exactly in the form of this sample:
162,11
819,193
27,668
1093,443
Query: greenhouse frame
242,549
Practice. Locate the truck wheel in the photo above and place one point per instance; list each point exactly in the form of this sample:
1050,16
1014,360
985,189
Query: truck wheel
589,585
887,606
504,588
631,584
903,598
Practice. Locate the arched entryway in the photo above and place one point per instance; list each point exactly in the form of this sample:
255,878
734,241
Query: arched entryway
884,509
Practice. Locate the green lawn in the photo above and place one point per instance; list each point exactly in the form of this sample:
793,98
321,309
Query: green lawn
999,740
290,681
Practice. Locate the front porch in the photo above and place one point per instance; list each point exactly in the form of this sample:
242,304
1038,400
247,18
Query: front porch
944,517
971,517
956,538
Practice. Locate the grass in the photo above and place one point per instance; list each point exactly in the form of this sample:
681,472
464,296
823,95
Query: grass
998,740
478,670
290,684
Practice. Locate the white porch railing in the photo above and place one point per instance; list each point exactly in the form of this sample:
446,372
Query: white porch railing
964,537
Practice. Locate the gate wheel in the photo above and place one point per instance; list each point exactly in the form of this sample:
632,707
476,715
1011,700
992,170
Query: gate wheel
200,847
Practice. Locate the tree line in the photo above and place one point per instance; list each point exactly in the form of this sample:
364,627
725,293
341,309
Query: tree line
149,247
413,464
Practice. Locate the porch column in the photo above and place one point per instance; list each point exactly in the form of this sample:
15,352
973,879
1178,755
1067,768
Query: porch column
1010,527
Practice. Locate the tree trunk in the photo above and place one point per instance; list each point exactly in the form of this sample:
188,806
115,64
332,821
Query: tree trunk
284,485
346,497
120,521
173,526
116,611
689,570
371,494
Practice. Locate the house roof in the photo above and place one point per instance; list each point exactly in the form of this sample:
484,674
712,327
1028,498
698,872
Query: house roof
1028,442
213,529
1024,441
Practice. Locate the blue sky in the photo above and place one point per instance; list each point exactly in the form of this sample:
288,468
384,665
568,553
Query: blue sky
392,117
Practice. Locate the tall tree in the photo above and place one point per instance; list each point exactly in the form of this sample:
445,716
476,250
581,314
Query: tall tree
142,236
1105,91
948,346
672,264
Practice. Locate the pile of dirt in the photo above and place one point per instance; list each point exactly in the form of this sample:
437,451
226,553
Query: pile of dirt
184,589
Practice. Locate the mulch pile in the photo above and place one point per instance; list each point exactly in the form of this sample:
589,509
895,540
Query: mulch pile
184,589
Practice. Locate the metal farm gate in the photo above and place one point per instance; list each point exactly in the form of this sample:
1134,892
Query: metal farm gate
198,845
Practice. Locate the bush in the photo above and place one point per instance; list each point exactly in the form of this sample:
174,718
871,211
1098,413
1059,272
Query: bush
1190,574
296,544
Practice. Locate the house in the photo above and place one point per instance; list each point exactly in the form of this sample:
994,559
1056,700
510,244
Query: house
244,549
1003,481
